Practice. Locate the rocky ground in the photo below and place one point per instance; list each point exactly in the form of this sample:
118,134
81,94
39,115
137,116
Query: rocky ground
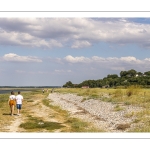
102,114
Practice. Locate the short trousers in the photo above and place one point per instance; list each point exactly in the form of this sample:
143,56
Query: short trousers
12,102
19,106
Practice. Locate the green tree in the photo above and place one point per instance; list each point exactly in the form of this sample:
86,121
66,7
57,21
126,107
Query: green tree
147,73
68,84
123,73
132,73
112,76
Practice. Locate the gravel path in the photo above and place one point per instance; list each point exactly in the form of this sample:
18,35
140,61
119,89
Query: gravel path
101,114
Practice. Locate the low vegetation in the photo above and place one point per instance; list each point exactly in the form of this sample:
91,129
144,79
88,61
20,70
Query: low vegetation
36,124
75,125
133,95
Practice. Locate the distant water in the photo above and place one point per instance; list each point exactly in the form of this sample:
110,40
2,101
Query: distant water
7,90
15,91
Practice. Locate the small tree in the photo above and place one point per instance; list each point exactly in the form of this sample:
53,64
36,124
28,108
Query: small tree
68,84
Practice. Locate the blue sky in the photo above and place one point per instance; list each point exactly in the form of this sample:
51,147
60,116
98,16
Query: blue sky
52,51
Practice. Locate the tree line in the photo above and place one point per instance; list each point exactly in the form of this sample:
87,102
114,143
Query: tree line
126,78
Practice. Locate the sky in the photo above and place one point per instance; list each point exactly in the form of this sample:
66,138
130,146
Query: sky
51,51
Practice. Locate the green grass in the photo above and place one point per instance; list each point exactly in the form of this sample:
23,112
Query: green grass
38,124
78,125
62,112
118,108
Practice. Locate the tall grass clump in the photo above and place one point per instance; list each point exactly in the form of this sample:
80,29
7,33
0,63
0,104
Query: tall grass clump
133,90
88,93
118,93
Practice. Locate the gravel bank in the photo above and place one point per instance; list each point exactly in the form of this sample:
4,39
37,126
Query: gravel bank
99,113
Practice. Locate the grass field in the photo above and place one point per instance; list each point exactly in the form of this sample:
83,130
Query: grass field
133,95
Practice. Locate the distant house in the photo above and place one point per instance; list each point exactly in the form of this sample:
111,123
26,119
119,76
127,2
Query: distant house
85,87
136,75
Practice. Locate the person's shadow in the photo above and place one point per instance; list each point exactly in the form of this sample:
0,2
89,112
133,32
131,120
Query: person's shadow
8,114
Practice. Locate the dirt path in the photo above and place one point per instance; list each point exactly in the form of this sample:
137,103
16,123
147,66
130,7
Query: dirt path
14,127
35,109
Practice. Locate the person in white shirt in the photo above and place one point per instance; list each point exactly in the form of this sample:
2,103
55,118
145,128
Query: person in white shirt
19,99
12,102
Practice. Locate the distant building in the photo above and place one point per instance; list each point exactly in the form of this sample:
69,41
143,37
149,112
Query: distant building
136,75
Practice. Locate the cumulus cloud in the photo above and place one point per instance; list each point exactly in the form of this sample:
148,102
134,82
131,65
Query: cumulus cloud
80,44
112,63
96,59
75,32
16,58
128,59
72,59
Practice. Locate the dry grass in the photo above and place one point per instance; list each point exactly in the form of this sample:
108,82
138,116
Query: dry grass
133,95
5,118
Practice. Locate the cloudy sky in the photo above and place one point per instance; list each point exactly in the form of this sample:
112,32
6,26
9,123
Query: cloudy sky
52,51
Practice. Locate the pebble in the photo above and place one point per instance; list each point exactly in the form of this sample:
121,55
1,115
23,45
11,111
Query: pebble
97,112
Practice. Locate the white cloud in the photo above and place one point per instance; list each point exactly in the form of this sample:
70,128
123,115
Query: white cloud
113,63
17,58
81,59
147,59
96,59
128,59
80,44
75,32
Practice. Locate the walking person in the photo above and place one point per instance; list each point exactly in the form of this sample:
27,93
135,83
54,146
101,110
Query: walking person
19,99
12,102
